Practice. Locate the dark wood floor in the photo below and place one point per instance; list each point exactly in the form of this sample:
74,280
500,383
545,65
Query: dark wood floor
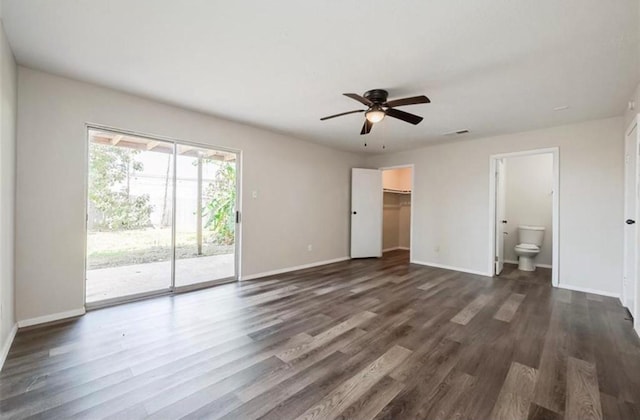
540,276
354,340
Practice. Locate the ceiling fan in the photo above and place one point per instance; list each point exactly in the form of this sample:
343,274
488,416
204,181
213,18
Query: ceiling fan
379,107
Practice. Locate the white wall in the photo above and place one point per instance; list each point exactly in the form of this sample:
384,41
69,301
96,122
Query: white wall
630,114
303,188
8,104
451,200
529,201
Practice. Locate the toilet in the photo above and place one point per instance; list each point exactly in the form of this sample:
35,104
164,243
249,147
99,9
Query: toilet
529,243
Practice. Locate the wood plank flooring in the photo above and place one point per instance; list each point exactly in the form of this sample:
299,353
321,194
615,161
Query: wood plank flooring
362,339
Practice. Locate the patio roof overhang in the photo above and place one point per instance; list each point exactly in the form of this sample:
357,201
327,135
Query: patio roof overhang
143,143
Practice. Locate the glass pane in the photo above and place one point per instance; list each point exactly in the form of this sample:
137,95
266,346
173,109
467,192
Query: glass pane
205,215
129,221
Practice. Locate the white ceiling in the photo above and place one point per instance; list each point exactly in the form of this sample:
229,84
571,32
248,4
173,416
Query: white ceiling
490,66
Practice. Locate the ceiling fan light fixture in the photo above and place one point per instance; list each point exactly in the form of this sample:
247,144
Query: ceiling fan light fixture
375,115
378,108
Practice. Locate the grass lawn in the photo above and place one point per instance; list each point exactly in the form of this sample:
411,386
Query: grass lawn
114,249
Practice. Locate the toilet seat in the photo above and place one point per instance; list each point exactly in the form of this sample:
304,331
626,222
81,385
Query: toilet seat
528,247
526,255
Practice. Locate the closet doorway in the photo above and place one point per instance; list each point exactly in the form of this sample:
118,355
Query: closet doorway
397,187
161,216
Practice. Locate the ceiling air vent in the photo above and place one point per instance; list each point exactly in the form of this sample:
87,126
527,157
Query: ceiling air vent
456,133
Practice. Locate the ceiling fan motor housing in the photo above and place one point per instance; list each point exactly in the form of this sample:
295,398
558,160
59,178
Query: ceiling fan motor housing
378,96
377,108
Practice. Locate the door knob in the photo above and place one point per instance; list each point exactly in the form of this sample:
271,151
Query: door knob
504,221
629,221
355,212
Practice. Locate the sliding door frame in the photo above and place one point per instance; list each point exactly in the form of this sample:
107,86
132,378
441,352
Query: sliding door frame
172,289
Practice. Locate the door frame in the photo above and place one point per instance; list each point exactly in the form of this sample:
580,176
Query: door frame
172,289
498,224
555,223
413,189
635,312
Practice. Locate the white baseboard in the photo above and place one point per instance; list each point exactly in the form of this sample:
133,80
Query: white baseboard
448,267
537,265
396,248
289,269
587,290
50,318
7,345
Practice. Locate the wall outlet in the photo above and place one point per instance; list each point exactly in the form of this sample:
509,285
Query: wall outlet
254,194
437,248
309,247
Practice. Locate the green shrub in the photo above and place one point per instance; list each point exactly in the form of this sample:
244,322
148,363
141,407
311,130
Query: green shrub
110,172
220,204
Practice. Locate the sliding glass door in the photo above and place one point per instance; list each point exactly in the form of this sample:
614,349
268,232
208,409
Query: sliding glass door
160,216
205,216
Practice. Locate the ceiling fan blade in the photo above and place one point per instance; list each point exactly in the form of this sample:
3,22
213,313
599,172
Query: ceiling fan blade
359,98
409,101
404,116
366,128
340,115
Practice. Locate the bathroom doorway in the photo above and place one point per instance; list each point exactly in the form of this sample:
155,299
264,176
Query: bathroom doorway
397,190
524,197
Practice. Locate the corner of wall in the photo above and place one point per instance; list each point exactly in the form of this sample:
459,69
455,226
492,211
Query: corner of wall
6,346
629,114
8,123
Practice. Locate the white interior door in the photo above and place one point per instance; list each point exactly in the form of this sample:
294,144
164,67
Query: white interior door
630,279
500,213
366,213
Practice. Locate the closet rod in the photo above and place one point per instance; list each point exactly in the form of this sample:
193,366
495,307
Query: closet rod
389,190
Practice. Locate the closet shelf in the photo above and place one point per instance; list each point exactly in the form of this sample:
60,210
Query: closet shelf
389,190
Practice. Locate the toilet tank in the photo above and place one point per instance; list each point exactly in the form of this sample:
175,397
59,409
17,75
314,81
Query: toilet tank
530,235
